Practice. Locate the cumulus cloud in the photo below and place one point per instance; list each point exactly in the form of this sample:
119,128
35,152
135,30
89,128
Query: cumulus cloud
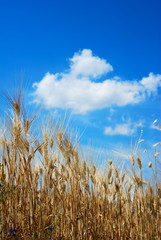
151,83
78,90
120,129
85,64
127,127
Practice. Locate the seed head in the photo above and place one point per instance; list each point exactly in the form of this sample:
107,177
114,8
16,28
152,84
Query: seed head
150,164
16,108
139,163
131,157
110,162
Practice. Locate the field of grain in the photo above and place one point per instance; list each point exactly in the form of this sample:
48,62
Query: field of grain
62,197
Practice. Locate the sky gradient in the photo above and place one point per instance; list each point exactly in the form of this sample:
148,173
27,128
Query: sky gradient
98,60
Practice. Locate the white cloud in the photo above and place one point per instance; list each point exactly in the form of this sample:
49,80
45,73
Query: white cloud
151,83
87,65
78,90
127,127
120,129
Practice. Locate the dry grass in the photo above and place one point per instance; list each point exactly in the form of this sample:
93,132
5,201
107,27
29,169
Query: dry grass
65,198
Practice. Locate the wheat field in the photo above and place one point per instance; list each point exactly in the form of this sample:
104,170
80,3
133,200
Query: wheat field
49,191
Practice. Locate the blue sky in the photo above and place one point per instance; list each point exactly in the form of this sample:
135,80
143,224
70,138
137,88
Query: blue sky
99,60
